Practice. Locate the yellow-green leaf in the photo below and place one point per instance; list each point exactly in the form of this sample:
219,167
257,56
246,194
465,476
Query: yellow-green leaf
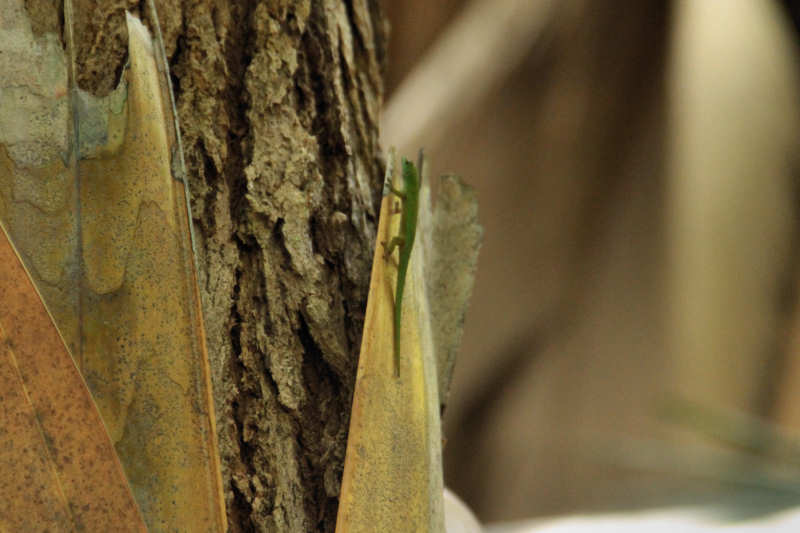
392,477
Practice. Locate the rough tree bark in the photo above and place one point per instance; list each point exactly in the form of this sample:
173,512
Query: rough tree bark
278,102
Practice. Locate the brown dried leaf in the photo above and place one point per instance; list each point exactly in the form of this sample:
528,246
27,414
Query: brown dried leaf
58,468
103,228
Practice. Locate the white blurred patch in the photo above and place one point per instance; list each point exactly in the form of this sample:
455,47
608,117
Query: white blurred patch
685,520
457,516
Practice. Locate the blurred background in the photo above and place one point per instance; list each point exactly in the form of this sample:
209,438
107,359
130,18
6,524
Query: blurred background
633,339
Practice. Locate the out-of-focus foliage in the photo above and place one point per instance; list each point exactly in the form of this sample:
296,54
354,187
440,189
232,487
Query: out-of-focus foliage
637,175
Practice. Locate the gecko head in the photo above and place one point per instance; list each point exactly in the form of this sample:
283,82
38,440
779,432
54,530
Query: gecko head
411,180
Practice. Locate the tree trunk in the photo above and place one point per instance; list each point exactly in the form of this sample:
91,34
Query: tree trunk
278,103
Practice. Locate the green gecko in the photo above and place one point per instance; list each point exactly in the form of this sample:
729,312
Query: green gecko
408,229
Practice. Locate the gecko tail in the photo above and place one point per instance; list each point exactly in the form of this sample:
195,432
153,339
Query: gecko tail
398,315
397,323
396,352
